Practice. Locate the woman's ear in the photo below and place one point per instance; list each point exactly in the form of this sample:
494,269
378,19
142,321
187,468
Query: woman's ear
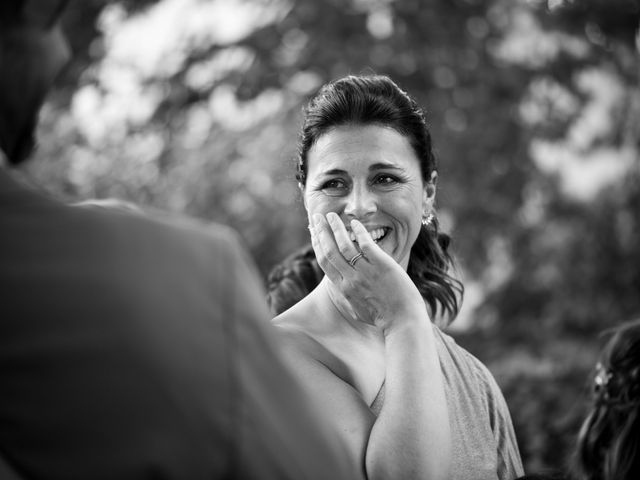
430,192
304,199
431,184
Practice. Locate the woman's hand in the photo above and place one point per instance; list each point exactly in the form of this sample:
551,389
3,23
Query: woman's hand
411,437
376,286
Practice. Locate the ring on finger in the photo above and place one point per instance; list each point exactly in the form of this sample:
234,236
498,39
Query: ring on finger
355,258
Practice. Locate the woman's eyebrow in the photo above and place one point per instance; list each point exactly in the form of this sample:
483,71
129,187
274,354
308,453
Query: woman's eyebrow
384,166
334,171
373,167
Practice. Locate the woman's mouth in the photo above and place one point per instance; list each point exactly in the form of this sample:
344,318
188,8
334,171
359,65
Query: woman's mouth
377,234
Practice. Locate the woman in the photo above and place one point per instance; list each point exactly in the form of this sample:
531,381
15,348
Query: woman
407,400
608,446
609,441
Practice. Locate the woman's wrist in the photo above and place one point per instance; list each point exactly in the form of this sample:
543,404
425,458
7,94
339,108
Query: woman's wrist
408,324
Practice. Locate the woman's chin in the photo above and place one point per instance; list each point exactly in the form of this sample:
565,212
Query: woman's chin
387,247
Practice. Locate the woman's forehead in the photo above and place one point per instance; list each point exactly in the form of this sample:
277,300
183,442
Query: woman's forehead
361,146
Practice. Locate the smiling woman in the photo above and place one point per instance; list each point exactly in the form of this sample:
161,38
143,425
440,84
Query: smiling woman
408,402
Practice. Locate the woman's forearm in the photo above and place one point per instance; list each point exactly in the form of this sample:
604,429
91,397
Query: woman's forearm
411,438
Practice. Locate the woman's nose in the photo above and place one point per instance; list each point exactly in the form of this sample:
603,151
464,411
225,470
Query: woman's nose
360,202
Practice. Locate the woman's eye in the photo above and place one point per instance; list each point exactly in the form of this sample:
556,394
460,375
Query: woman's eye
386,179
333,184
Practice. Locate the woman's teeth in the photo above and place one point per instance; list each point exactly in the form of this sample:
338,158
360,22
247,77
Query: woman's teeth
376,234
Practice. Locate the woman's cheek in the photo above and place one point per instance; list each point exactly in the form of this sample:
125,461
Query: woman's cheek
320,203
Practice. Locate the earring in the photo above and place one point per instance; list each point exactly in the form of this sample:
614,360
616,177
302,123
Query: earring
426,221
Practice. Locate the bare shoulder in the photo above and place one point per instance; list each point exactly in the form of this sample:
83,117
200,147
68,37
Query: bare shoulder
296,339
325,378
302,341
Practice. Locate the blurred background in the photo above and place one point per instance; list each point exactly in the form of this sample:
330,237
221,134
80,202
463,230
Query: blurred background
193,106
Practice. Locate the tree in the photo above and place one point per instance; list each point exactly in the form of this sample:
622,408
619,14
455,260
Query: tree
194,107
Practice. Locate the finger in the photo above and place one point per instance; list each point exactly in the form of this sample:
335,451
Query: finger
370,249
329,270
325,247
327,240
347,248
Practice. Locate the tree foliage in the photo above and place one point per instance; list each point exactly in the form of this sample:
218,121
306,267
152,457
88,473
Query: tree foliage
194,106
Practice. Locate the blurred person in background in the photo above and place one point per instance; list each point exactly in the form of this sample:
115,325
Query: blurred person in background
408,401
608,445
131,346
293,279
609,441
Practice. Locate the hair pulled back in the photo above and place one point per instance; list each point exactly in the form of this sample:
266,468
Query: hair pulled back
376,100
609,442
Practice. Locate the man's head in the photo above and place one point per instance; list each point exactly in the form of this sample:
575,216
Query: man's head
33,51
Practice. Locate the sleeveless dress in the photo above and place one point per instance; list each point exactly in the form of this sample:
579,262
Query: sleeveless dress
484,445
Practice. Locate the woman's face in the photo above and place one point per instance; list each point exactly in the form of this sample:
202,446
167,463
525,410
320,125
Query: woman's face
370,173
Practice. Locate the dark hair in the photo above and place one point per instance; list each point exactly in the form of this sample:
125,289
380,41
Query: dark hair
41,14
608,445
544,476
18,20
10,12
292,279
377,100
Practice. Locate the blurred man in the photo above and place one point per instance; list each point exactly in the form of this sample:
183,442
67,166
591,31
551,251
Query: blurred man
130,347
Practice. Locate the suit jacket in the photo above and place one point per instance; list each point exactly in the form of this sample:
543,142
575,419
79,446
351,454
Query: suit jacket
136,347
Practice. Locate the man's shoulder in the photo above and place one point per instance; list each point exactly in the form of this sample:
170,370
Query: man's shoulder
112,224
163,230
158,222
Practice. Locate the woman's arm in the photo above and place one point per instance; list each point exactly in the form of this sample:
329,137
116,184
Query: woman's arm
411,437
